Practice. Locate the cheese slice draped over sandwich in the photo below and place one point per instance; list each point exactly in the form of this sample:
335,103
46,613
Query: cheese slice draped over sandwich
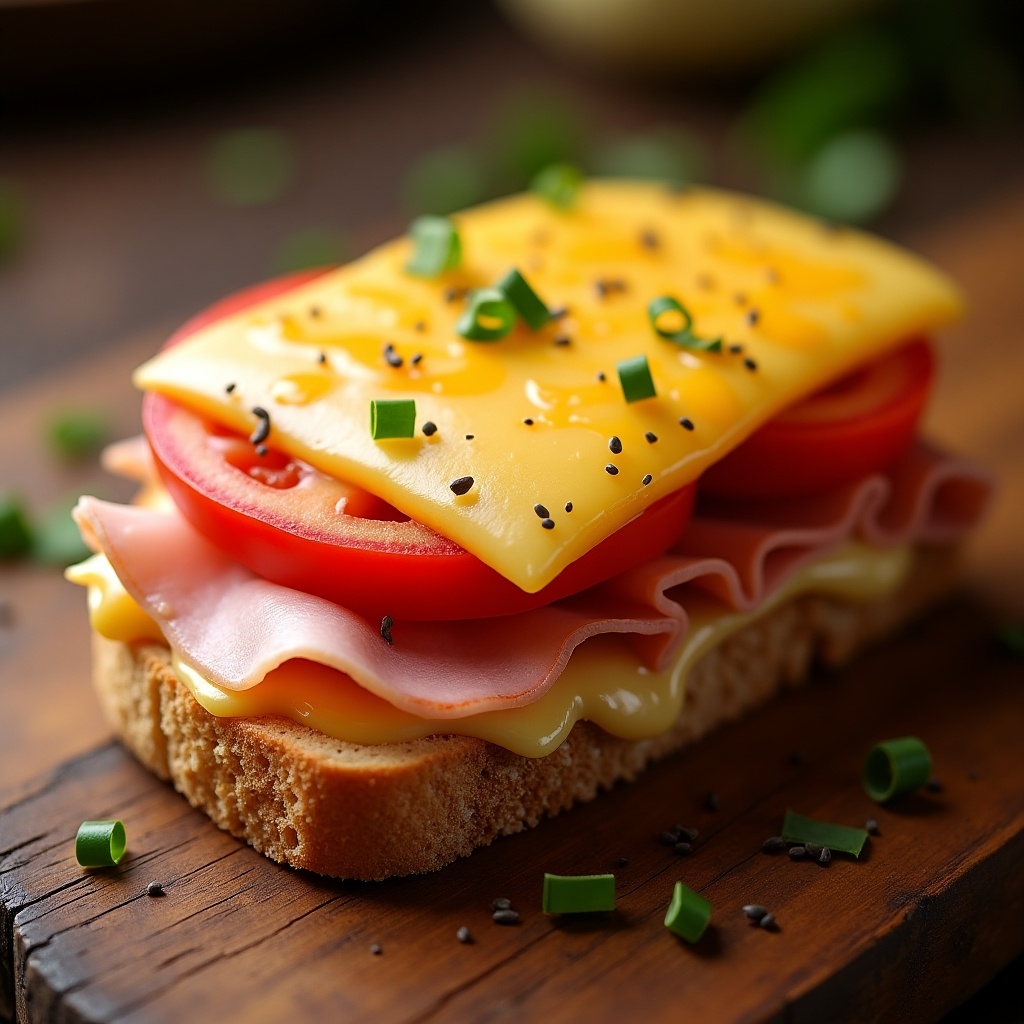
530,417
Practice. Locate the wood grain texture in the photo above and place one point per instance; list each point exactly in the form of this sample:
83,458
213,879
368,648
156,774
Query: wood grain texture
924,918
930,914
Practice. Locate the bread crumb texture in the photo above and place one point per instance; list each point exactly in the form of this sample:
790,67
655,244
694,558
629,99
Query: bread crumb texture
372,812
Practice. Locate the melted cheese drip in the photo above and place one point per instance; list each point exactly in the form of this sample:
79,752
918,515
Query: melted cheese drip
603,682
825,301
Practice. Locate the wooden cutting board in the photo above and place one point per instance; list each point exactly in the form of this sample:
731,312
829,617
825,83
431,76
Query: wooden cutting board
929,913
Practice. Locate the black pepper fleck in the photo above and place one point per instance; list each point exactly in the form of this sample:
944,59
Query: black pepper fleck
753,315
750,364
464,935
541,510
229,388
506,916
322,358
611,469
548,524
469,437
261,450
871,827
385,629
461,485
416,359
650,437
623,861
568,506
375,949
562,340
501,903
797,852
391,357
527,421
686,423
649,240
755,911
614,445
825,857
429,428
773,844
154,889
736,349
262,431
768,922
647,480
684,849
601,376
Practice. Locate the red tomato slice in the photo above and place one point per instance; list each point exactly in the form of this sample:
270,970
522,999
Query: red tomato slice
848,430
294,525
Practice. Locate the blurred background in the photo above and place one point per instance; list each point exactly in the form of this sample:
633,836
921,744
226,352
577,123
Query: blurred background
156,155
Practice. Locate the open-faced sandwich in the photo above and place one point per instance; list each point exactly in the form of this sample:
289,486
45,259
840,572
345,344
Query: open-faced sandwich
437,543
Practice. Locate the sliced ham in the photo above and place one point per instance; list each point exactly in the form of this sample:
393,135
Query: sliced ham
234,627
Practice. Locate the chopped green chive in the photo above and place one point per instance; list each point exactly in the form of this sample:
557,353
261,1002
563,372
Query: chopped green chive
100,844
635,378
688,913
665,307
15,530
78,433
489,316
392,417
895,767
525,300
578,894
559,184
798,829
436,246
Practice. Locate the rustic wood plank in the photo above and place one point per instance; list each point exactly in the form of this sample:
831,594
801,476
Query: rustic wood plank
936,907
936,903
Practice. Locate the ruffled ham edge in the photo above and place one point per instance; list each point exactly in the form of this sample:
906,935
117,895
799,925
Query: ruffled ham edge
234,627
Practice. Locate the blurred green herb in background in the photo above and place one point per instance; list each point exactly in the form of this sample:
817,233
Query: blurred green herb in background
445,180
78,433
665,152
15,529
310,248
250,166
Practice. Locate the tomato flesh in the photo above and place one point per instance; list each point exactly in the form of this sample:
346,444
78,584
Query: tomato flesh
296,526
856,426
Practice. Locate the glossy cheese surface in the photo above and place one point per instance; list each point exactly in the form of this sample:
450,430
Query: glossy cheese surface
801,303
604,681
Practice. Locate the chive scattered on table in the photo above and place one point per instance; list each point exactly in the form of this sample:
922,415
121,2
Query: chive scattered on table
896,766
688,913
799,829
577,894
100,844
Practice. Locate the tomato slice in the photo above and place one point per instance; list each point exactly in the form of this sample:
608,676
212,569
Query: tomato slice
848,430
296,526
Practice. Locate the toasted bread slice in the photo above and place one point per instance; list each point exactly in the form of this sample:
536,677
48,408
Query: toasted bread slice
371,812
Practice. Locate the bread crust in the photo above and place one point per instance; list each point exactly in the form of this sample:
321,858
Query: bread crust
372,812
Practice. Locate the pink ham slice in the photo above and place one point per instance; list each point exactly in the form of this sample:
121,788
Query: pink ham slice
234,626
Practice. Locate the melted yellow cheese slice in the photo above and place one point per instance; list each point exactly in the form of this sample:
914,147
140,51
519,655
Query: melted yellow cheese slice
603,682
804,302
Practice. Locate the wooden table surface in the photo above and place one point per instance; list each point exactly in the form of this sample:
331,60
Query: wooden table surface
926,919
